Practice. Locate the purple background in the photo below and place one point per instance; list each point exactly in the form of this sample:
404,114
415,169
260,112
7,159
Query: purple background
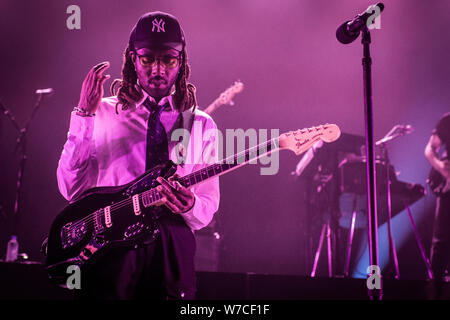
296,75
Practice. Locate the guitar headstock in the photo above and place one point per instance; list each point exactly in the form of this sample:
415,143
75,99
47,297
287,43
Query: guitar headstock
301,140
227,96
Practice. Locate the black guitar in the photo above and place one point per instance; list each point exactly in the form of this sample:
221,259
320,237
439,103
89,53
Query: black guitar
106,217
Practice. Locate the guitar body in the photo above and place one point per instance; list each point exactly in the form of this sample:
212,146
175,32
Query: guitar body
86,229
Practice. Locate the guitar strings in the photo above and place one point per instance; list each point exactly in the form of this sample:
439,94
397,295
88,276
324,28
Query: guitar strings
88,220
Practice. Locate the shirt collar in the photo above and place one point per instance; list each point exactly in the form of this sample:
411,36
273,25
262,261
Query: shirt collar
165,99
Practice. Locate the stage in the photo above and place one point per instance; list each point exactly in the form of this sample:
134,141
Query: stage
30,282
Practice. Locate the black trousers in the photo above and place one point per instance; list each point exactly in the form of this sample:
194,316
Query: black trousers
440,246
160,270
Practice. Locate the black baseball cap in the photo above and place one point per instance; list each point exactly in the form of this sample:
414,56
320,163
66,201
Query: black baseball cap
157,29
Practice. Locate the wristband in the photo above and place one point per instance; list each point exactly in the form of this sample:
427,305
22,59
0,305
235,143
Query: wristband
82,112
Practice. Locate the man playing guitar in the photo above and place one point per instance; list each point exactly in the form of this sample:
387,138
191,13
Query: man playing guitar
106,147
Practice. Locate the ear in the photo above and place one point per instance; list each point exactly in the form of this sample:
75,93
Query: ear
132,55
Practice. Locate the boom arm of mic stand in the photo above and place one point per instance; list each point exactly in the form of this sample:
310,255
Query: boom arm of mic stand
391,136
307,158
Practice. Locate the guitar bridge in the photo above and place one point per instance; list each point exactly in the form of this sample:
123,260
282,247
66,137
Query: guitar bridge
98,223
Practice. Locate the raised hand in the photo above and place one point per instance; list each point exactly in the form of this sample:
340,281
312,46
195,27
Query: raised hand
92,88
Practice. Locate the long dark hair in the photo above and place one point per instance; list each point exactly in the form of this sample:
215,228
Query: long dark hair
184,96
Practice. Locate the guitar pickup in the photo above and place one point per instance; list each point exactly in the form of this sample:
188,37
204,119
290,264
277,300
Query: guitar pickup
107,213
136,205
98,223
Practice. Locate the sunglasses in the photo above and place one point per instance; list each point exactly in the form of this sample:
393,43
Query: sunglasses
167,61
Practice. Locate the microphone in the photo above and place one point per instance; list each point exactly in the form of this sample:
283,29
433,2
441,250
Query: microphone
45,91
398,130
406,129
349,30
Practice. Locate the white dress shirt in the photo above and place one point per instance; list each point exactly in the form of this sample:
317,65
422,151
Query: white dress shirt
109,149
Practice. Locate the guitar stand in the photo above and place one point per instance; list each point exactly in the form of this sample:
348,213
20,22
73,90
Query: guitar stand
425,259
350,239
392,249
325,228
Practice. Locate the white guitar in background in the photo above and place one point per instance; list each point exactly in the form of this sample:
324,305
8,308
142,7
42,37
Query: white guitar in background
225,97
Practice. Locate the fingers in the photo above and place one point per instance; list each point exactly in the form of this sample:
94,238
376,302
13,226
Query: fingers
173,184
96,73
177,198
174,177
171,206
99,71
103,79
92,87
100,67
170,189
99,78
165,183
171,201
177,185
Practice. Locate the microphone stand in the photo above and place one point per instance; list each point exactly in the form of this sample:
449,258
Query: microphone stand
375,293
21,150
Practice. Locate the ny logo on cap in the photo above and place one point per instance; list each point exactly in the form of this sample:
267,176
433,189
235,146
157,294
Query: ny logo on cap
159,25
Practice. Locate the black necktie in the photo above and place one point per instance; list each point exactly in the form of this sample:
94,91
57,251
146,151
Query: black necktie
157,146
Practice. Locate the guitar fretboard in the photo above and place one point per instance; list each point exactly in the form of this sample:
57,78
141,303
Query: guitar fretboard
226,165
229,163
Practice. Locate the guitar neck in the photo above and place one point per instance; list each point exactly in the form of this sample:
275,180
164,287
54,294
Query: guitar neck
230,163
298,141
213,106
